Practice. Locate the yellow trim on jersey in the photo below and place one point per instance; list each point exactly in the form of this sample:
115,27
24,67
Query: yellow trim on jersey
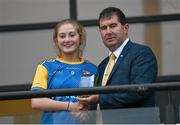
41,77
67,62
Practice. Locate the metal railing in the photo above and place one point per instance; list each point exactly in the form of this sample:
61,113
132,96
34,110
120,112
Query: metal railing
90,90
165,88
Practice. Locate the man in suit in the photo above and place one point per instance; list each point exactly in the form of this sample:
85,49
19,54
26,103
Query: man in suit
134,64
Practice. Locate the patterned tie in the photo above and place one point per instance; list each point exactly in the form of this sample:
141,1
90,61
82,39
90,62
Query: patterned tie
109,68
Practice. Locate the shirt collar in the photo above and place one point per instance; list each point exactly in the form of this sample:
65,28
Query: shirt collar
67,62
118,51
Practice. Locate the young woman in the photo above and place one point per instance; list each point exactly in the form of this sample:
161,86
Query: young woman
67,70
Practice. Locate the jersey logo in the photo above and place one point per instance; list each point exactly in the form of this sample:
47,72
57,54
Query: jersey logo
86,72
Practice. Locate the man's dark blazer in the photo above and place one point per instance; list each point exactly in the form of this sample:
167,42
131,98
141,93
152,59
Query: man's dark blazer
135,65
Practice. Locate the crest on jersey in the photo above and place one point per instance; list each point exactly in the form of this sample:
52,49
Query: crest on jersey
85,72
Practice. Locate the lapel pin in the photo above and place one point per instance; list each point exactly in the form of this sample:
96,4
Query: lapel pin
121,55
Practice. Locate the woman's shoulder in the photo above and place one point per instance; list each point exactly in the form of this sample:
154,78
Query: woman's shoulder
87,62
49,63
48,60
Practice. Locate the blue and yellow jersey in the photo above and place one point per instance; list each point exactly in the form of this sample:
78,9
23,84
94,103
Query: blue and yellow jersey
59,74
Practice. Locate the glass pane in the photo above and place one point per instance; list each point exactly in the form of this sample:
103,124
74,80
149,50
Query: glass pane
111,116
166,111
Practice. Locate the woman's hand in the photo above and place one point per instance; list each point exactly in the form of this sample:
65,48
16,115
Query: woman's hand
75,107
79,111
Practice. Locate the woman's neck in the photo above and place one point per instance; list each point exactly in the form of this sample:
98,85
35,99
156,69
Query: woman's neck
70,58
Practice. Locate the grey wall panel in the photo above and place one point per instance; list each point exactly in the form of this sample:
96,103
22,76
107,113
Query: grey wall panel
170,47
1,54
21,52
136,33
90,9
170,39
95,50
170,6
32,11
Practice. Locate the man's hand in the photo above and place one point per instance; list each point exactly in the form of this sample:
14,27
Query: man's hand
88,99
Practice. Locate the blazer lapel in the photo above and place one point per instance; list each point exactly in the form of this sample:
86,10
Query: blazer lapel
102,69
120,58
